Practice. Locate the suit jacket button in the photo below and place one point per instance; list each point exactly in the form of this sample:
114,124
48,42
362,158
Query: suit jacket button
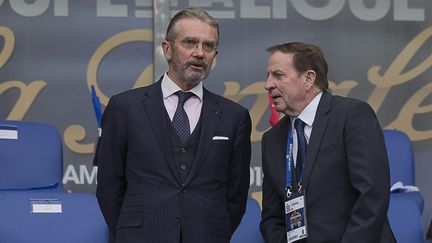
183,167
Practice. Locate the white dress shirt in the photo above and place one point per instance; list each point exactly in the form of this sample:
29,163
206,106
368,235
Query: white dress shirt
308,117
192,106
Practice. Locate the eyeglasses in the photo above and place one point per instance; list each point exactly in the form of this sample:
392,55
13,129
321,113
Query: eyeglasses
191,44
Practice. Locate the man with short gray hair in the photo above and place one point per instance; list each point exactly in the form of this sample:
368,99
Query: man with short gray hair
174,157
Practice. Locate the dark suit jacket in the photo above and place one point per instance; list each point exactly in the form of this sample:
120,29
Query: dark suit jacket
345,176
139,190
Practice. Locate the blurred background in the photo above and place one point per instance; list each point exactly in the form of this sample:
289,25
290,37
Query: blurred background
52,51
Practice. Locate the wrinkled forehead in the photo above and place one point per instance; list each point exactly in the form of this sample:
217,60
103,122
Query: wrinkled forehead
280,61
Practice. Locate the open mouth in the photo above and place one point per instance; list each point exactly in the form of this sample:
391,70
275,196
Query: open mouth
198,65
276,98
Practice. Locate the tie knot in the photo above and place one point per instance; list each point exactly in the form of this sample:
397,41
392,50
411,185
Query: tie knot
183,96
299,124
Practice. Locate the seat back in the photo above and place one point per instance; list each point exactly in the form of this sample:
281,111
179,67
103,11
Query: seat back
248,230
79,220
405,220
400,155
30,156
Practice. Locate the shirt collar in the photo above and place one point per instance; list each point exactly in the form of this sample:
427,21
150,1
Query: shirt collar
309,112
169,88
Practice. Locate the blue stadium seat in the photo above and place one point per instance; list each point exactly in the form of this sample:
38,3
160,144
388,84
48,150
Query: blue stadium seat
34,206
31,161
80,219
405,207
405,220
248,230
401,159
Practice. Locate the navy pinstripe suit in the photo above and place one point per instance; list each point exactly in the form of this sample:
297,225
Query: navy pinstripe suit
139,191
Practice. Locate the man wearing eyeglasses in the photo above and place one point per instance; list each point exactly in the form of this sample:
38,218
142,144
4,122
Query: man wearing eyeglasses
173,157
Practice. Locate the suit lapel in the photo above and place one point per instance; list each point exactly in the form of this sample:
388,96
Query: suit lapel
153,104
319,126
210,113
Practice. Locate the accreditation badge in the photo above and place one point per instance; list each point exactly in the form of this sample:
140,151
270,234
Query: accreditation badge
295,218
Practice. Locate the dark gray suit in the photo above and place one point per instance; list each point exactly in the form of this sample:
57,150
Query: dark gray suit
345,176
139,189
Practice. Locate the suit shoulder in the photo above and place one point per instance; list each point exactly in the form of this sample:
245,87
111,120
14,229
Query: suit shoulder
348,102
134,94
351,108
227,103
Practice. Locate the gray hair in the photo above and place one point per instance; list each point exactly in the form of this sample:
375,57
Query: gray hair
190,13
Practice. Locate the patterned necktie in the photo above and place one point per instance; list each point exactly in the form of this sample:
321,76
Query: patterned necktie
180,120
301,148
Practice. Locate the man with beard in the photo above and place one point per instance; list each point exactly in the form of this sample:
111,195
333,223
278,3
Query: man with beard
173,157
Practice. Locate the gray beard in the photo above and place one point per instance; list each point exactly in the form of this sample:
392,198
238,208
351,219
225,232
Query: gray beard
190,77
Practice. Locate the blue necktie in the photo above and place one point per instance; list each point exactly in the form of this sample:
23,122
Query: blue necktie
301,148
180,120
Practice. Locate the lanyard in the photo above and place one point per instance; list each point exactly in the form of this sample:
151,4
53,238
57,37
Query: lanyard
290,172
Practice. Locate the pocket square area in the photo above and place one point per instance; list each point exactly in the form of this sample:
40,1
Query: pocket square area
220,138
